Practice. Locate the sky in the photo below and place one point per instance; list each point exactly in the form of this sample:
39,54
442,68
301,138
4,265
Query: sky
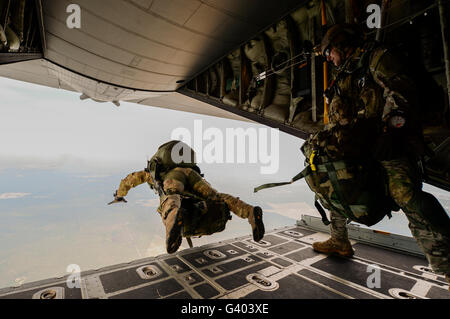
61,159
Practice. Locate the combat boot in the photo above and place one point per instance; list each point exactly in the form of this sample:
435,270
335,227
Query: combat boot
255,220
173,222
334,246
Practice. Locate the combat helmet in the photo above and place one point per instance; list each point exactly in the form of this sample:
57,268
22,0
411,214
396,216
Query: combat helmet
170,155
341,36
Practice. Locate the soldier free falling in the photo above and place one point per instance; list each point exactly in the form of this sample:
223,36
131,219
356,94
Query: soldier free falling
189,206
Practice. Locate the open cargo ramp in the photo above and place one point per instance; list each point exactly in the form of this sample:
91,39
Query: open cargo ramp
282,266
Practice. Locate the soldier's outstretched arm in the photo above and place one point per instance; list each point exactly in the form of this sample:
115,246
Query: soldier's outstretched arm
132,180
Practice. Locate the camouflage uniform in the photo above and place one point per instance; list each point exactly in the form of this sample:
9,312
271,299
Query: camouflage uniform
181,181
363,102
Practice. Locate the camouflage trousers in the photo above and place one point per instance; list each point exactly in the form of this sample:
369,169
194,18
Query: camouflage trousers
180,180
338,226
425,215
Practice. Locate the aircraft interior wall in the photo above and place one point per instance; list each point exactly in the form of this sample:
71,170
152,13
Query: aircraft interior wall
276,79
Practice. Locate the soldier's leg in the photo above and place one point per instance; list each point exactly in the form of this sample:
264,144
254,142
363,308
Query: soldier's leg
428,220
170,209
204,189
338,243
237,206
338,226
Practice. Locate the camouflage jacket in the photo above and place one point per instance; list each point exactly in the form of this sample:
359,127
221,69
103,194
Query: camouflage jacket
369,90
133,180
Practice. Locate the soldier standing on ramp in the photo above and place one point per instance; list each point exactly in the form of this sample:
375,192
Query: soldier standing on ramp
372,86
178,181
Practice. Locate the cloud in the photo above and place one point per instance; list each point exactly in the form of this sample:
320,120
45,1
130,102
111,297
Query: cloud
87,168
19,214
148,202
93,176
42,196
13,195
292,210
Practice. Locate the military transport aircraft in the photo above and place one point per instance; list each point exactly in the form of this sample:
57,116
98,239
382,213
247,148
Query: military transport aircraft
246,60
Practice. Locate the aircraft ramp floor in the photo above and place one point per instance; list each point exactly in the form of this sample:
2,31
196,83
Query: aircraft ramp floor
282,266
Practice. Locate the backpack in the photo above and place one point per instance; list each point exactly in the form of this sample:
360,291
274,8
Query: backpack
204,217
356,189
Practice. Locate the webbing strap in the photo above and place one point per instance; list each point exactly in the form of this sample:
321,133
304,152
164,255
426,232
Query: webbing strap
322,168
189,195
334,182
322,213
153,169
300,175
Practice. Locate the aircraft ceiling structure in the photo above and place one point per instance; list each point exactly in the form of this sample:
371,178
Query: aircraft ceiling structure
135,50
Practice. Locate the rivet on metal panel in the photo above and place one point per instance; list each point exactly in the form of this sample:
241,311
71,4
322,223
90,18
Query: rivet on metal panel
148,272
248,259
201,261
177,268
232,252
403,294
406,295
262,282
50,293
293,233
214,254
215,270
424,269
262,243
189,279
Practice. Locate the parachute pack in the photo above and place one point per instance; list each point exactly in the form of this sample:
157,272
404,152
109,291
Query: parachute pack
205,217
356,189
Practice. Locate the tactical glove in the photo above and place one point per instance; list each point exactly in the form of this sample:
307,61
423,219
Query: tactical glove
117,199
